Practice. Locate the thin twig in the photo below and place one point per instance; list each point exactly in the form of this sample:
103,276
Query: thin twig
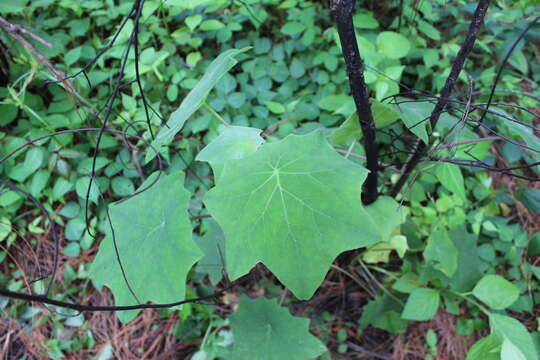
421,150
8,27
215,114
381,164
509,91
82,307
482,165
16,28
272,128
370,291
58,75
374,279
503,64
488,138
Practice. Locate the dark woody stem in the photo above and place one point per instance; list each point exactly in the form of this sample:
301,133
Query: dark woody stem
342,12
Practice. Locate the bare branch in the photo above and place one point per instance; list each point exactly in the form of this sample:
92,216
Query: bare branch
503,63
381,164
483,165
488,138
18,29
421,149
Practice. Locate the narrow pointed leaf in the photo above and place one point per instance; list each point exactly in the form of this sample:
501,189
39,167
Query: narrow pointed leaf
468,270
194,99
415,116
388,214
347,132
383,115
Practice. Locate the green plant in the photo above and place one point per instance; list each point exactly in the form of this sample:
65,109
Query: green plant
277,182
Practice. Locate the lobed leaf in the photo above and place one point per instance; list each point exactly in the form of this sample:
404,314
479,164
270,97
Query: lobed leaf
153,237
293,205
265,331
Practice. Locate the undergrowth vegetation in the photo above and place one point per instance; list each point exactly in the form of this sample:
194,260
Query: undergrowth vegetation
188,179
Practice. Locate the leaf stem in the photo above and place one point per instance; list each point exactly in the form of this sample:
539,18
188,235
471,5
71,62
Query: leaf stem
474,302
213,112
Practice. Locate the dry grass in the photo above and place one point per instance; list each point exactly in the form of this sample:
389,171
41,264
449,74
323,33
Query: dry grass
148,336
450,346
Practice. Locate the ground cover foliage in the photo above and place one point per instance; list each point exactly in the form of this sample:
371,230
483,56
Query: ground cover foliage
188,179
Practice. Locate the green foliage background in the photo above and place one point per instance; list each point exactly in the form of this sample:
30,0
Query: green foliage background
467,248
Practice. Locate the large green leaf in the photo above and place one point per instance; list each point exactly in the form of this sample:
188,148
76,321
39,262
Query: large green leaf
380,252
508,329
292,28
389,215
265,331
189,4
383,114
509,351
365,21
415,116
453,130
293,205
525,132
334,102
380,312
194,99
347,132
530,197
153,236
13,7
